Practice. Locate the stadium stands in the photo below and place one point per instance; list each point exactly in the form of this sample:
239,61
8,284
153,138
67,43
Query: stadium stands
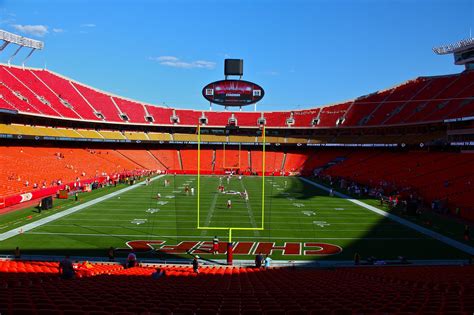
424,99
304,118
134,111
67,92
45,166
42,91
33,287
448,177
232,158
189,159
143,158
25,92
167,158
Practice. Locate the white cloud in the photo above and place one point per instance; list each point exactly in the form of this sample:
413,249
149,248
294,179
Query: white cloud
88,25
166,58
58,30
269,72
175,62
34,30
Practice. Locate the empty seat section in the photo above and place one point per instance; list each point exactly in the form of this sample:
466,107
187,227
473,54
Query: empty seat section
92,134
450,98
101,102
64,89
363,107
400,102
295,161
330,114
40,89
161,115
12,101
189,160
304,118
159,136
213,138
4,104
143,158
276,119
17,86
463,106
232,158
247,119
111,134
44,166
188,117
433,175
167,158
236,290
134,111
185,137
131,135
400,98
273,161
241,138
217,118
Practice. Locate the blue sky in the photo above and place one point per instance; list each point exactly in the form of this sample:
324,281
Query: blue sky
303,53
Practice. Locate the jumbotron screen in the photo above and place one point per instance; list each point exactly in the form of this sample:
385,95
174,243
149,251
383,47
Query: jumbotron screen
233,92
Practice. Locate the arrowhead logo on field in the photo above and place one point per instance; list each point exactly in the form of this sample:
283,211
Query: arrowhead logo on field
152,210
321,223
138,221
299,205
309,213
162,203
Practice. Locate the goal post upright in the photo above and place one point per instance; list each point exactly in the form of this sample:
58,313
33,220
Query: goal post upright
263,177
199,177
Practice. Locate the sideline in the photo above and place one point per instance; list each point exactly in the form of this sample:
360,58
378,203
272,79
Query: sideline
449,241
33,225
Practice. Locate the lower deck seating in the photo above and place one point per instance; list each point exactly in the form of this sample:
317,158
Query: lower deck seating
441,176
235,290
433,175
22,167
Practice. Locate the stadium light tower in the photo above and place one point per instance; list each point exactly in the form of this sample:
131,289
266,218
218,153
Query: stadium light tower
463,52
10,38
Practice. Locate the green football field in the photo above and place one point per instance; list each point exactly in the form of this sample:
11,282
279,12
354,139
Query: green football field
300,222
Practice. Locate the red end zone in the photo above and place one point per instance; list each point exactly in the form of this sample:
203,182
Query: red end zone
240,248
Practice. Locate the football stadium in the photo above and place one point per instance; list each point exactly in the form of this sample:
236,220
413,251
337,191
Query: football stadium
233,203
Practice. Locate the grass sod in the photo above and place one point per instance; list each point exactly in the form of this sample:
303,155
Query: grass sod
290,210
17,218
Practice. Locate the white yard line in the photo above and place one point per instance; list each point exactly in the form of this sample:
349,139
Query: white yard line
456,244
285,220
250,211
240,237
323,230
64,213
210,213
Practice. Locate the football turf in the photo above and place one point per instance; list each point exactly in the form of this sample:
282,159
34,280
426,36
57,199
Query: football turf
294,212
